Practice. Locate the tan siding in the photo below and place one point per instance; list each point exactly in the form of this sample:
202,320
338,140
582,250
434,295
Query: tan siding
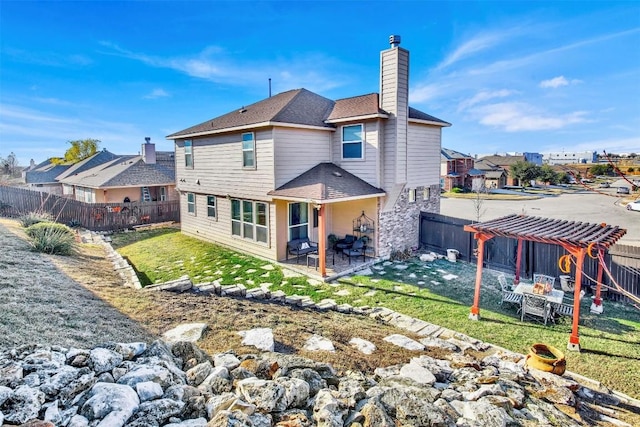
218,230
218,168
423,155
298,150
367,169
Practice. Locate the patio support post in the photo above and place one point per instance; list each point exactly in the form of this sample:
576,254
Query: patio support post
596,306
322,252
475,309
518,261
574,338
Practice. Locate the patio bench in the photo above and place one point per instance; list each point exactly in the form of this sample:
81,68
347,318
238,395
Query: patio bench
300,247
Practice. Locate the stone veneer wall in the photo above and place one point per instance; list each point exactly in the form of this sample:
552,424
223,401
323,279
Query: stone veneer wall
399,228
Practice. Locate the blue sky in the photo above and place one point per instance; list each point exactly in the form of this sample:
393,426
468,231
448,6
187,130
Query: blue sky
509,76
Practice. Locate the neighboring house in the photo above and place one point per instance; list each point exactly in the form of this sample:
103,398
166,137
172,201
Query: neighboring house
494,175
42,177
505,162
454,169
299,165
149,176
535,158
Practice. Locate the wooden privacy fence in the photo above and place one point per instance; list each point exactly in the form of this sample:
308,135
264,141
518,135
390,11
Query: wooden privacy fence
439,233
15,202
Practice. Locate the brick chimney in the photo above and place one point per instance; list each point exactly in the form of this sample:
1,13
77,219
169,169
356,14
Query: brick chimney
394,99
149,152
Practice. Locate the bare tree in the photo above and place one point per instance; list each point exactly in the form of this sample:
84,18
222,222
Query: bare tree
480,193
9,164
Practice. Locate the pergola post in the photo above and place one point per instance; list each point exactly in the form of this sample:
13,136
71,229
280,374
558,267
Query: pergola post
322,252
596,306
574,338
475,309
518,261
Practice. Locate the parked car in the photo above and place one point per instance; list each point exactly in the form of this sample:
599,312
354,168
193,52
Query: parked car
622,190
634,206
605,185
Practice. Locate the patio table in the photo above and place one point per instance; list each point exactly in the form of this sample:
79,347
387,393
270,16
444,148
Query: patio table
554,297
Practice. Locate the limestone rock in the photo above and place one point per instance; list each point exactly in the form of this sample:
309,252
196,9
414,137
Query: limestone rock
404,342
103,360
186,332
113,403
319,343
261,338
366,347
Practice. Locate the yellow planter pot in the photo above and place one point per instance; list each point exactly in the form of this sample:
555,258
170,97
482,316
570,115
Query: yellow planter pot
546,358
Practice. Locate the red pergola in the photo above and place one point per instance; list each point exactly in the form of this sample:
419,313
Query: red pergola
578,238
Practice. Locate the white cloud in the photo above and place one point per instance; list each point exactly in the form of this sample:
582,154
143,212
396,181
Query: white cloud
517,117
156,93
483,96
557,82
428,92
470,47
214,64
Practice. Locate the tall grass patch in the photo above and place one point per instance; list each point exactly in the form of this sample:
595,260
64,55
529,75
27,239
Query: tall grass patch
51,238
31,218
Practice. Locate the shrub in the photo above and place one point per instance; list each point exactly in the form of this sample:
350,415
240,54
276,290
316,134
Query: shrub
51,238
34,218
457,190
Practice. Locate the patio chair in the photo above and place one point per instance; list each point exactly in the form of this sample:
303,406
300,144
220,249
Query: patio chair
356,250
345,243
508,295
535,306
563,309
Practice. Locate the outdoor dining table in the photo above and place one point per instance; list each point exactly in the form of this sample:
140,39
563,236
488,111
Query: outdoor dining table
555,296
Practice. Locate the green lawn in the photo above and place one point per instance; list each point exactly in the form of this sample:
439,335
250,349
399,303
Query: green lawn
440,292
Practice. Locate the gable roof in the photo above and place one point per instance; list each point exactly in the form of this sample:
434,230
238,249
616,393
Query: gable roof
44,173
98,158
503,160
299,107
326,182
448,154
356,106
126,171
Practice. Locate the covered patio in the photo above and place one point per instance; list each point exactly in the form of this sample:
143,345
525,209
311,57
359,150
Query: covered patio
579,239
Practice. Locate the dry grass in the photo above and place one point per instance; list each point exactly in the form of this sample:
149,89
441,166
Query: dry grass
79,301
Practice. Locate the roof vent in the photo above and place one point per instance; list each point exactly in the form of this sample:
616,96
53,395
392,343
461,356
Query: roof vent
147,139
336,173
394,40
242,110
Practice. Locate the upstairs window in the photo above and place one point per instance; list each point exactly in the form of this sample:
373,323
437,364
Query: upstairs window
352,142
188,154
248,150
211,207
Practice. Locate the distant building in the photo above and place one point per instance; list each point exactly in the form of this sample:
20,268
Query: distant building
569,157
495,176
457,170
505,162
535,158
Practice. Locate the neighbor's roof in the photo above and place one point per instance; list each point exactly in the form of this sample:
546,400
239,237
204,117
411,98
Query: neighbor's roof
127,171
494,174
448,154
299,107
97,159
554,231
326,182
503,160
44,173
475,172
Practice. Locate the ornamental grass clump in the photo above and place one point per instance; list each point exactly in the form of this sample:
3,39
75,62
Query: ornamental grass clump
51,238
32,218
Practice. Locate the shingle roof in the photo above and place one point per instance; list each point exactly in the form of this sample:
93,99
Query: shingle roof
449,154
298,106
125,171
419,115
325,182
45,172
365,105
503,160
97,159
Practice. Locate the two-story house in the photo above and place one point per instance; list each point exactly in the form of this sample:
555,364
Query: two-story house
300,165
458,170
